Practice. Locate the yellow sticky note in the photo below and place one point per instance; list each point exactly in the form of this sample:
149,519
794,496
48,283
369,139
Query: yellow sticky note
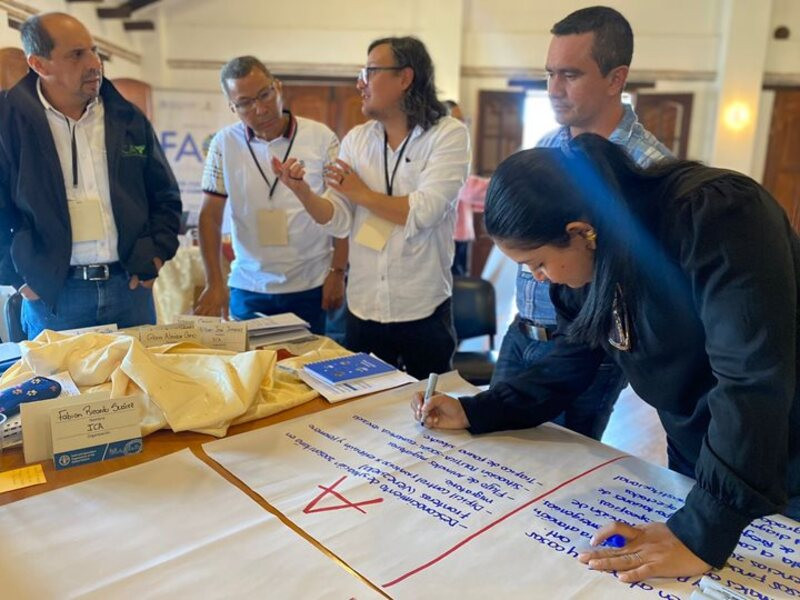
21,478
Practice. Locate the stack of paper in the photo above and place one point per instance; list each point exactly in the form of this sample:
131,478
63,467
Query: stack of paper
274,329
9,354
353,375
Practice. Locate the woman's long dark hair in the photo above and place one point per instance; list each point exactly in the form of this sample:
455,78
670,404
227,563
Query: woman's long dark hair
420,103
535,193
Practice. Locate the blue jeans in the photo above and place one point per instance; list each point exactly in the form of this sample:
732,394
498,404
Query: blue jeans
306,304
588,413
88,303
336,324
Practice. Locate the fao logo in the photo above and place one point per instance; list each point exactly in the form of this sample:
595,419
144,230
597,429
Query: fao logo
132,447
64,460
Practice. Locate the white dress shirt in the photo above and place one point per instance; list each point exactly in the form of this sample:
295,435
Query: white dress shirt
92,180
410,276
230,171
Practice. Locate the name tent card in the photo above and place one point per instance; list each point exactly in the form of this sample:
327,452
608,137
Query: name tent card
218,334
158,335
89,432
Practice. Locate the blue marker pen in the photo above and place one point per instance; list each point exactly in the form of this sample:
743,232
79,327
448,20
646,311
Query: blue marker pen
615,541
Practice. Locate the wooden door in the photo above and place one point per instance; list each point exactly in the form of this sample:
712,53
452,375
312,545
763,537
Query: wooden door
336,105
782,169
668,117
138,93
500,124
13,67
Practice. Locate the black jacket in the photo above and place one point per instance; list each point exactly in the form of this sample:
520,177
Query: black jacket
35,234
715,350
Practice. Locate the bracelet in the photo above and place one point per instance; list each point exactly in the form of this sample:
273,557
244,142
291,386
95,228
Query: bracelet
337,270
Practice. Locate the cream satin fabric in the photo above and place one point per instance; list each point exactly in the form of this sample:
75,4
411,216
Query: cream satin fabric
178,282
188,387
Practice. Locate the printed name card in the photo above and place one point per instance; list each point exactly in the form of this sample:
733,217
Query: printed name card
109,328
223,335
158,335
218,334
88,432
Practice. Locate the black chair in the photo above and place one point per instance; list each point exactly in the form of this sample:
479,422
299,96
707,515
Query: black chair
474,315
13,317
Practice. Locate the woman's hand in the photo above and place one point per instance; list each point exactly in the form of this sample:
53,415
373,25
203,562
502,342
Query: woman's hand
441,411
650,550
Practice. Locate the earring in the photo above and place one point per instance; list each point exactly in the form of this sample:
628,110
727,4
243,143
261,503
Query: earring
590,235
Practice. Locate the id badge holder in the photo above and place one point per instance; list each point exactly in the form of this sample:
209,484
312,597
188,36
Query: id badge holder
273,228
86,220
374,232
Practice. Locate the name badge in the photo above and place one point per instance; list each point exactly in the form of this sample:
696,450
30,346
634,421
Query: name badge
86,220
273,228
374,232
88,432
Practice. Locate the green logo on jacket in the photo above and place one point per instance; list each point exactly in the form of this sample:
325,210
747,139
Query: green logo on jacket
132,150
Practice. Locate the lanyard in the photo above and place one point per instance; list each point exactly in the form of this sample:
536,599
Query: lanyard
73,151
274,184
390,182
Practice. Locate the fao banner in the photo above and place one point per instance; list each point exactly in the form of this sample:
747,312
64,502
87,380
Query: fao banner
185,121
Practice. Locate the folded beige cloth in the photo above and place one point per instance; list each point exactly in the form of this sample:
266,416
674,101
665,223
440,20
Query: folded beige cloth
187,387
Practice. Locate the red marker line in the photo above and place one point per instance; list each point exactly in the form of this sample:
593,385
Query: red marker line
488,526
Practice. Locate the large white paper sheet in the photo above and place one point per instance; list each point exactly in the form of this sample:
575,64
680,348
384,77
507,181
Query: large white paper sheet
427,513
169,528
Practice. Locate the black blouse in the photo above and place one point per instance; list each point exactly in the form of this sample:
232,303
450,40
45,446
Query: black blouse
715,346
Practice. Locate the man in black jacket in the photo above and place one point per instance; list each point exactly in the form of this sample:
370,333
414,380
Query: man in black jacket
89,208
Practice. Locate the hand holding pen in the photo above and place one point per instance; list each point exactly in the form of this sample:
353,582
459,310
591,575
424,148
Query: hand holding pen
437,410
430,390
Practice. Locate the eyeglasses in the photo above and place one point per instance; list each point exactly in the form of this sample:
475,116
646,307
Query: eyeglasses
364,72
264,96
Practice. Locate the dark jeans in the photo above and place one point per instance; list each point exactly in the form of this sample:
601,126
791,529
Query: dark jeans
306,304
423,347
588,413
88,303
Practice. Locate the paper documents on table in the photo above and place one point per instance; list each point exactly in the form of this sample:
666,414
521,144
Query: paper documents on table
353,389
352,367
274,329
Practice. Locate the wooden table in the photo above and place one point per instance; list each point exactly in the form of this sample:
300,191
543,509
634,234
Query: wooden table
160,444
155,445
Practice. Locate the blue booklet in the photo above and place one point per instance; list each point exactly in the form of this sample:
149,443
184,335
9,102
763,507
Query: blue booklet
348,368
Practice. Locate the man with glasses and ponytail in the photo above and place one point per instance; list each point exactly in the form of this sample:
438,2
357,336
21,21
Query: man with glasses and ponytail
393,191
284,262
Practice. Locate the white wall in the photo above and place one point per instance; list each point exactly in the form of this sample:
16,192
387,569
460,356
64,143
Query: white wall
104,30
783,56
329,37
514,33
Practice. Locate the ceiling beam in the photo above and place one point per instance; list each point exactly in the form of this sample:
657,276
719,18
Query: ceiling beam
123,10
138,26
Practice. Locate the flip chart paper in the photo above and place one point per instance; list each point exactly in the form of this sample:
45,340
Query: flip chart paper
169,528
430,513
